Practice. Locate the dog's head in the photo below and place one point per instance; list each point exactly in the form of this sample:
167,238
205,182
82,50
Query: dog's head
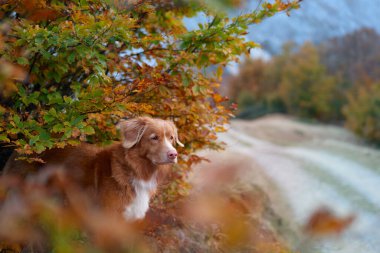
151,138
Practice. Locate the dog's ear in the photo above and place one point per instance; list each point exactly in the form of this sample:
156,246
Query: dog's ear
131,131
177,141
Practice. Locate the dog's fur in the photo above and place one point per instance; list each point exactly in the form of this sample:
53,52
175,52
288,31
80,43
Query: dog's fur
121,176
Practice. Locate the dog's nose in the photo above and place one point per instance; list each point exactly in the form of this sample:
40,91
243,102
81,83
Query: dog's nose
172,154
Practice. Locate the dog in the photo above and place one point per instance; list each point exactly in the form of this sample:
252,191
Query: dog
122,176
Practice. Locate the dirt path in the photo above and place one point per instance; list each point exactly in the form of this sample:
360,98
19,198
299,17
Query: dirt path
316,166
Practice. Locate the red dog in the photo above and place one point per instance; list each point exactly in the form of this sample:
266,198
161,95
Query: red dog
122,176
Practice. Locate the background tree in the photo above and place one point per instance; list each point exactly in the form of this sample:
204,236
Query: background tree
316,82
249,80
353,57
363,111
305,87
295,82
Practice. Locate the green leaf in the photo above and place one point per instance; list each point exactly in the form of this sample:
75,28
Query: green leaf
55,98
39,148
71,57
33,140
44,135
196,89
88,130
51,115
53,112
4,138
22,61
76,120
203,61
39,39
16,119
58,128
73,142
185,80
49,118
67,99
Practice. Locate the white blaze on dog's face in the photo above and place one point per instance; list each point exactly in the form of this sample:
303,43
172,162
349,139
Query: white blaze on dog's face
152,138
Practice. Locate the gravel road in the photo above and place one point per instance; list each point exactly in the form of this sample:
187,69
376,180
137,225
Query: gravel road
314,166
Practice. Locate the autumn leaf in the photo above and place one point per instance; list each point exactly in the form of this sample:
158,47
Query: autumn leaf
323,222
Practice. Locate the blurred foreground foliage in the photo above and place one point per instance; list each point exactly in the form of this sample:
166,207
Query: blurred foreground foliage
336,81
70,70
227,213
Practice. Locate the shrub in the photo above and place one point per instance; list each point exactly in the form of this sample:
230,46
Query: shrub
251,107
363,112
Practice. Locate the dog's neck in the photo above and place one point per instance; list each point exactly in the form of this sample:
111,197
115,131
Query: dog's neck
139,167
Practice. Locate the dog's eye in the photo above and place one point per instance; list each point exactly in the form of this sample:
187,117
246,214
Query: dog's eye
171,138
155,137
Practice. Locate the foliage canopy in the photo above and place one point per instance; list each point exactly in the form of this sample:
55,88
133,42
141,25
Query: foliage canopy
76,67
88,63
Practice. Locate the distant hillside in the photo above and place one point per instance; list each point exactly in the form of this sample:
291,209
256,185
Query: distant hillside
316,20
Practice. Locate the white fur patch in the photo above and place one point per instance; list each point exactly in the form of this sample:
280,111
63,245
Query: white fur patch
140,204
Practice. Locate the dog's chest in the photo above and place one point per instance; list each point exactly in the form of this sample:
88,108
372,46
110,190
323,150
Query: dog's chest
138,207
